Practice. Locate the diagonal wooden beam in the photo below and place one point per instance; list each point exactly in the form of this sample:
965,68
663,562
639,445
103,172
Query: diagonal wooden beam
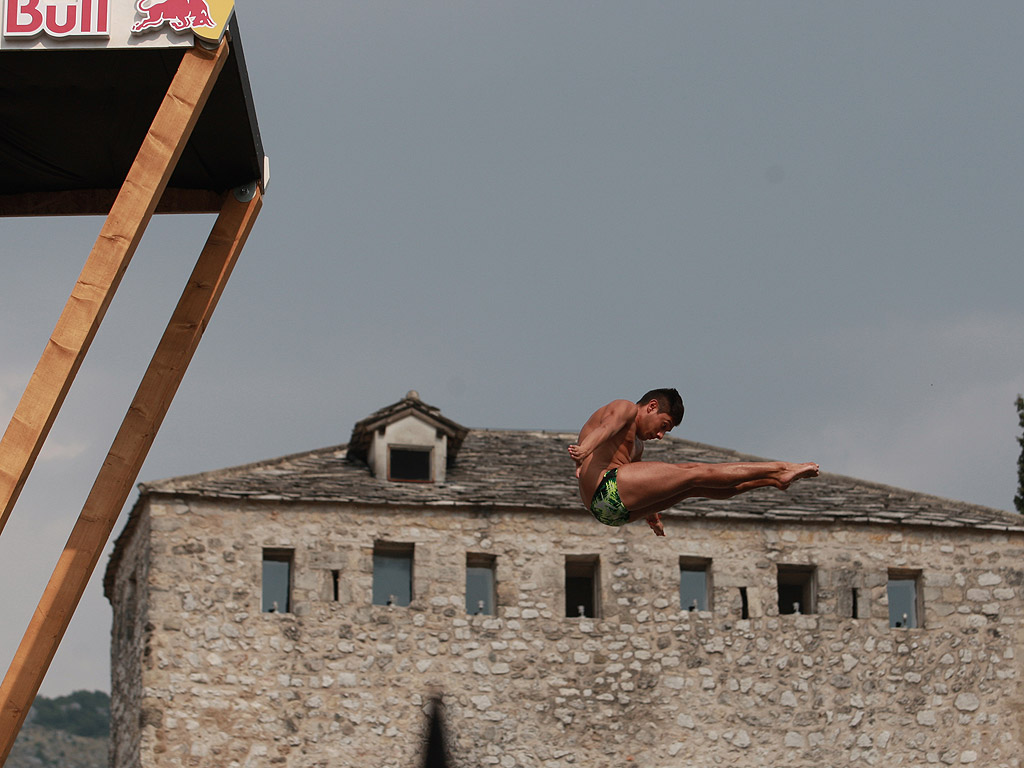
123,462
101,275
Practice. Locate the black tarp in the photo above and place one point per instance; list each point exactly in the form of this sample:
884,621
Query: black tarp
73,120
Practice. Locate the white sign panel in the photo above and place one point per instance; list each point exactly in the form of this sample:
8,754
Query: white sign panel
42,24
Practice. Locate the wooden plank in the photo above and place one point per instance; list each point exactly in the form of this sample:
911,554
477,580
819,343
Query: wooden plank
104,268
121,467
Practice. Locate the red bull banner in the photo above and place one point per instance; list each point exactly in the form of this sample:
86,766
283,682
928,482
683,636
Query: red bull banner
111,23
84,18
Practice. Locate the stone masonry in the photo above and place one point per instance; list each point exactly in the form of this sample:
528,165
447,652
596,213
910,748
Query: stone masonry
201,677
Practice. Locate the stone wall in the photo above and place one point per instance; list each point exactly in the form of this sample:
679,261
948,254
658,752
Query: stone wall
335,683
129,595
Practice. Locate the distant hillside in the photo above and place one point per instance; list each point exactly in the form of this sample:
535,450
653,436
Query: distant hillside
65,732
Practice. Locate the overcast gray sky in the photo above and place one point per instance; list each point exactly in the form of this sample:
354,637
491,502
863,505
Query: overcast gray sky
805,216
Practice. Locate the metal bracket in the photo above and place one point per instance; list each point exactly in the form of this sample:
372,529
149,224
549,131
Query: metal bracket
246,192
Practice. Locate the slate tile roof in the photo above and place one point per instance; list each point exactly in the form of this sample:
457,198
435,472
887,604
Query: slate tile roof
531,470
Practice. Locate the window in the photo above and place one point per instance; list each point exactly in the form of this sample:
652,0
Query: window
277,580
392,573
128,611
693,583
582,584
410,465
904,599
847,586
480,584
796,589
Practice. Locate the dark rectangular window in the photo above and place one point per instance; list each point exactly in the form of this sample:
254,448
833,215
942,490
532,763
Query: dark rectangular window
796,589
582,586
277,580
694,583
846,588
480,585
411,465
904,599
392,573
335,585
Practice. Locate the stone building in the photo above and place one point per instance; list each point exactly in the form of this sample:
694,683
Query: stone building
303,611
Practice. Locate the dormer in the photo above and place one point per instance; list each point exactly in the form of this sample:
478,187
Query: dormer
408,442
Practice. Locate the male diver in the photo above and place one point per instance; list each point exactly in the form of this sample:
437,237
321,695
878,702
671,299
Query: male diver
618,488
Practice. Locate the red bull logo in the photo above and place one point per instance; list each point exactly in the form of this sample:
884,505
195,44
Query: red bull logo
57,18
180,15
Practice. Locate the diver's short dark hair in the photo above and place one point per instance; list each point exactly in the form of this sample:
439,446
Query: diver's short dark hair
669,402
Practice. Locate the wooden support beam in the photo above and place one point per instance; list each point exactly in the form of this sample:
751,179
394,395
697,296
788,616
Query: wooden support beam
124,460
104,269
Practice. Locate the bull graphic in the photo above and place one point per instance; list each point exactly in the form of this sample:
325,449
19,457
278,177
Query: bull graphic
180,14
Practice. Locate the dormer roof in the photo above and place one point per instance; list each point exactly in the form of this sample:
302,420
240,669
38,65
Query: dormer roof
410,405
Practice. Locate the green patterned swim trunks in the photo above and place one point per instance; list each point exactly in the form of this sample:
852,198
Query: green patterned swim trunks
606,505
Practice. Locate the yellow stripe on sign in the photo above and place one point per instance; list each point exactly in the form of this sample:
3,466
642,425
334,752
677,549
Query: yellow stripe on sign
220,12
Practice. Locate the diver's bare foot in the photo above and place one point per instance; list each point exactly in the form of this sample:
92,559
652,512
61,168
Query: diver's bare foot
656,525
797,472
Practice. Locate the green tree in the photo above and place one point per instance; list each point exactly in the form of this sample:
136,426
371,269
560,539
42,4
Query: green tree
1018,500
83,713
